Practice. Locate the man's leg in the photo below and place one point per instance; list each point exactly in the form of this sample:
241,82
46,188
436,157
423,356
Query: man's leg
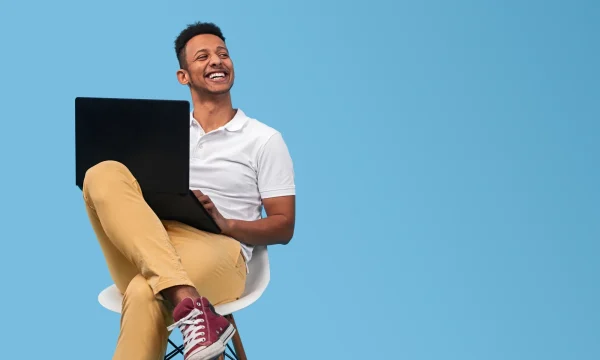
144,319
217,268
140,258
128,229
134,241
214,263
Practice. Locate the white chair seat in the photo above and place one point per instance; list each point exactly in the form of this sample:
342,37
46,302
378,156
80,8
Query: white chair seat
256,283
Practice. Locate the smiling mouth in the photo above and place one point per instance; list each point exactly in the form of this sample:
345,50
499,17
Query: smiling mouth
218,76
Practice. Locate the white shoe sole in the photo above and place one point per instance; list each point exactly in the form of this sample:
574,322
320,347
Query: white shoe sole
213,351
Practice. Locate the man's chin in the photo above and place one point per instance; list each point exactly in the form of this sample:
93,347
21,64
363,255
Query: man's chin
214,91
220,92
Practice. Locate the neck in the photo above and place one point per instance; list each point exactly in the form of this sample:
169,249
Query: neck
212,112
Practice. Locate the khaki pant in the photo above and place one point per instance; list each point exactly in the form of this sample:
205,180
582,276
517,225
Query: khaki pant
146,255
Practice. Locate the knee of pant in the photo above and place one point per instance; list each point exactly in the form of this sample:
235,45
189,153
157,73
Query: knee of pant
102,176
104,170
138,291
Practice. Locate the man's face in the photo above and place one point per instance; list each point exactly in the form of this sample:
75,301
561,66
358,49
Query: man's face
209,68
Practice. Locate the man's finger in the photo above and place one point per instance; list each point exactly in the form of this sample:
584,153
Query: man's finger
204,199
209,206
198,193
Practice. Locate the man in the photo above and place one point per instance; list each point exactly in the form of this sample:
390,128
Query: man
171,273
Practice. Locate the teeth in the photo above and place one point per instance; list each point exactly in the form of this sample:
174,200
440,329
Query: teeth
216,75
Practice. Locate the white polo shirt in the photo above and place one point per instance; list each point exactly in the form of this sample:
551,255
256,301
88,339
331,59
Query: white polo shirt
238,165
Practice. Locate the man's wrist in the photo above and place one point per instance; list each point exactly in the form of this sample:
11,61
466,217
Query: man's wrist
228,228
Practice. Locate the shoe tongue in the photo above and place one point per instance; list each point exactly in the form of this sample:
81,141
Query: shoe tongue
183,309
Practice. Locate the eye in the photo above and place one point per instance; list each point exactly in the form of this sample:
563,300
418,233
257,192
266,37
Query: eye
224,55
201,57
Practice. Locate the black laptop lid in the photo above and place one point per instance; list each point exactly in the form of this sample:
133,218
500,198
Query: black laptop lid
150,137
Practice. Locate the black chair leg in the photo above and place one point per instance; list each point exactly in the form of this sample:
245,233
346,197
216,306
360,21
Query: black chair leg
173,353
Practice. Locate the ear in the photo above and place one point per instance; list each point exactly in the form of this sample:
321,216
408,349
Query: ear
183,77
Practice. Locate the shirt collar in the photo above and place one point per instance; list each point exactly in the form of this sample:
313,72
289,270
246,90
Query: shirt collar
235,124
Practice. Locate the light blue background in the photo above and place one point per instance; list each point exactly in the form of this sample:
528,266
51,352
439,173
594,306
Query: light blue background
447,170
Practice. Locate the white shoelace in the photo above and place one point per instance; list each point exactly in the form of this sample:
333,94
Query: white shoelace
190,328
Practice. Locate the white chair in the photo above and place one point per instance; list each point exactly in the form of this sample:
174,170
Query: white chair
256,283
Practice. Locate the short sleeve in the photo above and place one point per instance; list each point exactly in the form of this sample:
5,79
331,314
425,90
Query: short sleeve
275,169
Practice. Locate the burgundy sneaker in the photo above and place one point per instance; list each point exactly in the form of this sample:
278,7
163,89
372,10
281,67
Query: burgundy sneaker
205,333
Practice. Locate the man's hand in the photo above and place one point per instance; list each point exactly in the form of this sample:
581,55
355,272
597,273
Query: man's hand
213,211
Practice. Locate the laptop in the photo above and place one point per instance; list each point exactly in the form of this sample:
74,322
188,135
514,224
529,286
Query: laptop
151,138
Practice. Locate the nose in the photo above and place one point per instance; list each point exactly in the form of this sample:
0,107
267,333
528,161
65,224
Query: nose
215,60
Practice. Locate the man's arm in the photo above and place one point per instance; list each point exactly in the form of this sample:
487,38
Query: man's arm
276,228
277,190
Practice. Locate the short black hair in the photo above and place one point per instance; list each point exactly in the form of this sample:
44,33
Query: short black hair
192,30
